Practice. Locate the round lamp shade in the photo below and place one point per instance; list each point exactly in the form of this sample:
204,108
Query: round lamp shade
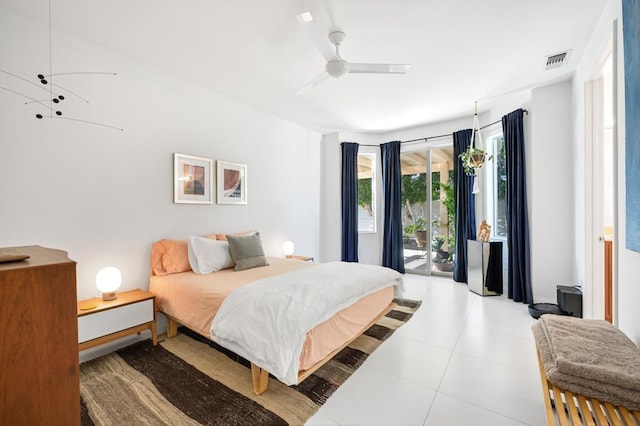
288,248
337,67
108,280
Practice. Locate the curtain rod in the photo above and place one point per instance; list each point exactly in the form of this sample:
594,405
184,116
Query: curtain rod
448,134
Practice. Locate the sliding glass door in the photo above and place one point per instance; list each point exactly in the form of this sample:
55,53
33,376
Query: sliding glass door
428,210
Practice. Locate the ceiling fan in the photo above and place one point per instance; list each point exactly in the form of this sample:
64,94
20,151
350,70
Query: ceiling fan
336,66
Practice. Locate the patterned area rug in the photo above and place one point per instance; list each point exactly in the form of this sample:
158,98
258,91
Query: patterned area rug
189,380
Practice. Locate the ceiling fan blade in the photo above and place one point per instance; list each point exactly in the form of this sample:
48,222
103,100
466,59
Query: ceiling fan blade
313,83
378,68
317,35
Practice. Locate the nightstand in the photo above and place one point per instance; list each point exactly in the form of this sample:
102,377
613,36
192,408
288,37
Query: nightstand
130,313
303,258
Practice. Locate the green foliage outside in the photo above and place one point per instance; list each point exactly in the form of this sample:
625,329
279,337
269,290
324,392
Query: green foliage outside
435,189
449,202
414,195
414,192
420,224
414,189
364,195
501,170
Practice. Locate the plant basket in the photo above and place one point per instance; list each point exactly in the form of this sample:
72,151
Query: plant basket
477,160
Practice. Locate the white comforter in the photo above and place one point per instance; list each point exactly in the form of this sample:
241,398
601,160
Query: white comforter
267,321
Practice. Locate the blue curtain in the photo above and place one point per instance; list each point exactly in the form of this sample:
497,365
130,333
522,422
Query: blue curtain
349,202
392,248
519,278
465,206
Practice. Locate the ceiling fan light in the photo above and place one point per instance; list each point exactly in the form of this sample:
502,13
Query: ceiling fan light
337,67
398,68
305,17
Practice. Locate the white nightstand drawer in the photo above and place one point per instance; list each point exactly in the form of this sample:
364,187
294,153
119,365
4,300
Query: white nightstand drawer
110,321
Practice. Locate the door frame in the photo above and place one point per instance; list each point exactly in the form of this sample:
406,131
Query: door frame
593,290
427,148
594,247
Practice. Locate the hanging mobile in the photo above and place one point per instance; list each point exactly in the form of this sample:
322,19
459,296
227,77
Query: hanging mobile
54,98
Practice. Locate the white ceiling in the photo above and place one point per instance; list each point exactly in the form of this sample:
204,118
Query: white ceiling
255,51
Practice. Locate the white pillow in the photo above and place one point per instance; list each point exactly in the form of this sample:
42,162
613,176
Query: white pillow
207,255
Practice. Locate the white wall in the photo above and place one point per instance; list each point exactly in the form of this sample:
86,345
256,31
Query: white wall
550,186
330,222
104,195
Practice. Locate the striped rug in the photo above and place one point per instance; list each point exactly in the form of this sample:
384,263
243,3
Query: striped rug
189,380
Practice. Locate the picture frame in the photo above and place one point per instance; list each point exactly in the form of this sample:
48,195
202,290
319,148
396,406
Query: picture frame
231,183
192,179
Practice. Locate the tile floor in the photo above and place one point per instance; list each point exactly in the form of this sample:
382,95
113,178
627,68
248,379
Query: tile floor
462,359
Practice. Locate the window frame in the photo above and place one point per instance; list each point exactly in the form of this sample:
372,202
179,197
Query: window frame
374,205
491,200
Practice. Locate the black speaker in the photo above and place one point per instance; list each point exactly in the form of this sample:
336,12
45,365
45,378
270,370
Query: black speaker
570,300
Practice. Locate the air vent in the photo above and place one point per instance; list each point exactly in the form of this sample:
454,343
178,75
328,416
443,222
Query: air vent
557,60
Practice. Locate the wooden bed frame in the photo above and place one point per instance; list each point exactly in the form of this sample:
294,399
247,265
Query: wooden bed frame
260,376
563,407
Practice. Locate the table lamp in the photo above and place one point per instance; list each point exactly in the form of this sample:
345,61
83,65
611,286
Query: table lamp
108,280
288,249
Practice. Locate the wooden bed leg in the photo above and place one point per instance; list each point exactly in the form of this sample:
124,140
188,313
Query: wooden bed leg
172,327
260,379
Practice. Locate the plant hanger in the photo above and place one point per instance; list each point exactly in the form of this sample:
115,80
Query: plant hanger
474,157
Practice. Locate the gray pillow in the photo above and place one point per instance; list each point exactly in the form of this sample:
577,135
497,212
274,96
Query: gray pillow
246,251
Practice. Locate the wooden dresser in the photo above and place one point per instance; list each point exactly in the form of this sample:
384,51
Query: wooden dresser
39,371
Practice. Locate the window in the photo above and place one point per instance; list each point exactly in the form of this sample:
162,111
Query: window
497,186
366,193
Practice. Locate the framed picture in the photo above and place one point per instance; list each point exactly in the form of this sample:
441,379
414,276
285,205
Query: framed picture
232,183
192,179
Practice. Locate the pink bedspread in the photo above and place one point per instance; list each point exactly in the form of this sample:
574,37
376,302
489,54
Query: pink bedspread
193,301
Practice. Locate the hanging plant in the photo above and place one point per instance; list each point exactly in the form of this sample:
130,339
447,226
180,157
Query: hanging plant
474,158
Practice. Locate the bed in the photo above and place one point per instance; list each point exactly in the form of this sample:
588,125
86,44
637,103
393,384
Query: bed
195,300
